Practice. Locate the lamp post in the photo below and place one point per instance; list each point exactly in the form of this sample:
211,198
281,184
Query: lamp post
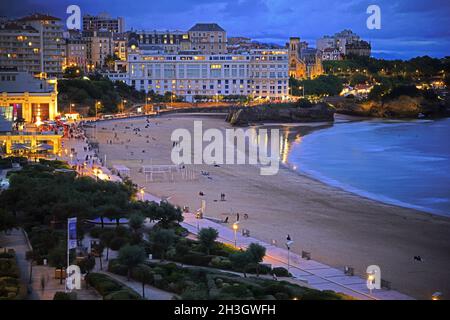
142,193
289,243
235,229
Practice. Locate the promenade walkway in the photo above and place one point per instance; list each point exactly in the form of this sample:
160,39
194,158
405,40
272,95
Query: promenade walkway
315,274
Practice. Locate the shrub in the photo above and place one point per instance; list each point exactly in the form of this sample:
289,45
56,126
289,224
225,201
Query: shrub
103,284
115,267
65,296
9,288
118,242
221,263
281,272
125,294
237,291
197,259
96,232
8,268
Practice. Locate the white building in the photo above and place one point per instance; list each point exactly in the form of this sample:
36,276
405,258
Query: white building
258,73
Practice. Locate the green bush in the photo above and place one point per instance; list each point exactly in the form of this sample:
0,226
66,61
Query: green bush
118,242
96,232
103,284
237,290
8,268
221,263
65,296
197,259
115,267
9,288
281,272
125,294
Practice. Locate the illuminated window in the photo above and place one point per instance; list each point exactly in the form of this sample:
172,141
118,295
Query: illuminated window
216,66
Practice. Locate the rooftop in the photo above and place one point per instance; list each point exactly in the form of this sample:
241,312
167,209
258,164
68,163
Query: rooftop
38,16
207,27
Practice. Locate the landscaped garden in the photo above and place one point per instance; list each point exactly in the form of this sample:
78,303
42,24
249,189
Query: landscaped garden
42,196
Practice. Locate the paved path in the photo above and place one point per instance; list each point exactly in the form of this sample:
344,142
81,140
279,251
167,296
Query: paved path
15,239
316,274
151,293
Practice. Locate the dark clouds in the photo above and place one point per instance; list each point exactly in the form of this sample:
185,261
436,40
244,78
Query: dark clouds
409,27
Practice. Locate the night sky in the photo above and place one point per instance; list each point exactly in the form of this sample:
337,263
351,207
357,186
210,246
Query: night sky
409,27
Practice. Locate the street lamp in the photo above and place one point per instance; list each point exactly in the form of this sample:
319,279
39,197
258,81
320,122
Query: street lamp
436,296
142,193
289,243
235,229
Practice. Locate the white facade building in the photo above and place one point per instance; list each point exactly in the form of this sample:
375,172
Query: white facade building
258,73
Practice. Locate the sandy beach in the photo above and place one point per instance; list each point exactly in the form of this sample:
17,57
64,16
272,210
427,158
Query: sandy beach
337,227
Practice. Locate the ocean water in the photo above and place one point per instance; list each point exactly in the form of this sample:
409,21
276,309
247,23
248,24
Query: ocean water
405,163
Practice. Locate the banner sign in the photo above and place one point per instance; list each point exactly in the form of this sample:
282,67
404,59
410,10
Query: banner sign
72,233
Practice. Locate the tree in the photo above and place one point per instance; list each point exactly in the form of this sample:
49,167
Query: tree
57,258
136,222
98,251
162,239
7,221
87,264
143,274
257,253
106,239
240,261
131,256
207,238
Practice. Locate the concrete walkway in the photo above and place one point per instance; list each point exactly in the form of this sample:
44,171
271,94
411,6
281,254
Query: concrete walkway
151,293
315,274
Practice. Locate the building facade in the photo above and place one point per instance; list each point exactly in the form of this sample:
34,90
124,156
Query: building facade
99,45
26,97
33,43
169,41
75,53
103,22
346,42
20,47
259,73
209,38
304,62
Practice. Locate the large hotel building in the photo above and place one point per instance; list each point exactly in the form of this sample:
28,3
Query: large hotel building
257,73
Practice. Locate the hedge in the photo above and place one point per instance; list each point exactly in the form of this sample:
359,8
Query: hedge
110,289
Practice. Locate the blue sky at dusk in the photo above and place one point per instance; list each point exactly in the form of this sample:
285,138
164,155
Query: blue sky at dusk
409,27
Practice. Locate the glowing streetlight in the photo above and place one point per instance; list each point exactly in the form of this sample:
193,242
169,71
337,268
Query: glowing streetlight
142,193
436,296
235,229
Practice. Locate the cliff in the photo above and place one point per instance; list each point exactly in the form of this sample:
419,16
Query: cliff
402,107
281,113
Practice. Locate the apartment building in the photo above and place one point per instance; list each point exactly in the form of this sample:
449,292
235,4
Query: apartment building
99,45
103,22
169,41
209,38
76,49
258,73
33,43
20,47
343,42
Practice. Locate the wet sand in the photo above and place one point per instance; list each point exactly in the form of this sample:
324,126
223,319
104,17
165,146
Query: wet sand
337,227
